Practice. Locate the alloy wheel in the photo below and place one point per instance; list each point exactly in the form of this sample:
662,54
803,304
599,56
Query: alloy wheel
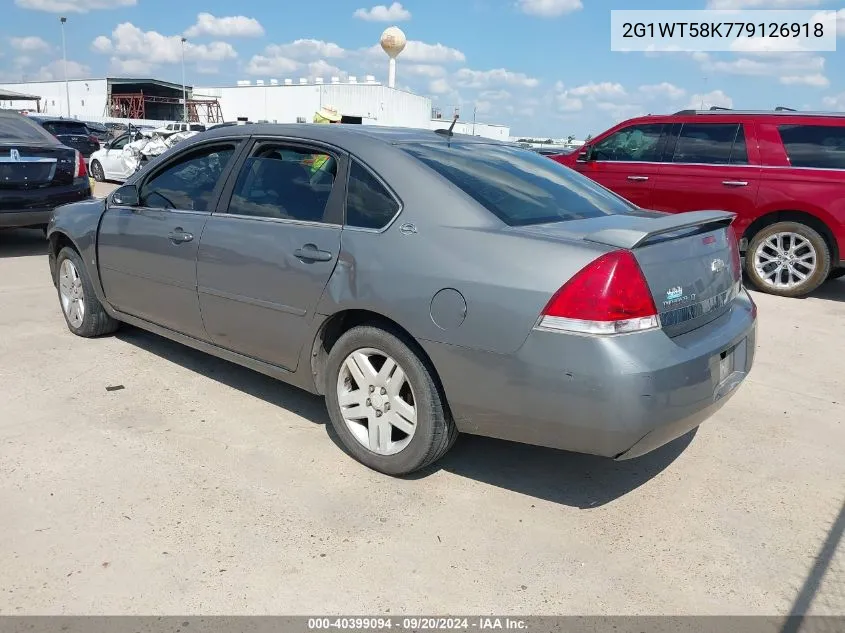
71,293
376,401
785,260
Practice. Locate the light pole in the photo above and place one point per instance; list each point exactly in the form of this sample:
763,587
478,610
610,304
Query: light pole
64,58
184,90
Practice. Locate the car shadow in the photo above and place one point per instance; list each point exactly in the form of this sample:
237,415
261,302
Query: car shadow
831,291
572,479
22,243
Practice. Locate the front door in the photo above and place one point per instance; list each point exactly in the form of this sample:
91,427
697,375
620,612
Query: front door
709,166
269,249
627,162
148,253
111,159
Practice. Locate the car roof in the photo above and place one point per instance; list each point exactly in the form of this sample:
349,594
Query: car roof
724,115
346,134
55,119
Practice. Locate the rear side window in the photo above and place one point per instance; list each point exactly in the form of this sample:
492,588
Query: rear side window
66,127
711,144
368,204
18,128
819,146
519,186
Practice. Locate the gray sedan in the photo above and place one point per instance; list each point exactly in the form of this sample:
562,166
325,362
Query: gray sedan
426,283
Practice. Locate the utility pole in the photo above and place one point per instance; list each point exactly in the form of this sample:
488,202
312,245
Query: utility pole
64,57
184,90
474,112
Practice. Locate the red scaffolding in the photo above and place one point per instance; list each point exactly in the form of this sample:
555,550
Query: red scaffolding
132,106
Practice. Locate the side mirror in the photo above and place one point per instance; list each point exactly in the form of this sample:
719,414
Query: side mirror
126,196
585,154
107,145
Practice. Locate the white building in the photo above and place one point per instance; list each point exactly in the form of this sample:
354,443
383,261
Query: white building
287,101
367,102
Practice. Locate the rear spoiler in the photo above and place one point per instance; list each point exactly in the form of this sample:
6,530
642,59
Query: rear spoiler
631,238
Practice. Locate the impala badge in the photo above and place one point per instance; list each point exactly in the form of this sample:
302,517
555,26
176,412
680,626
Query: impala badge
717,265
14,156
674,293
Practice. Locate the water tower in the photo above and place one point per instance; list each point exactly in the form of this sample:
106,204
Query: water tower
392,42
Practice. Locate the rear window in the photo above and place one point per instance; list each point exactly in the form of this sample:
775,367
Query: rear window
519,186
65,127
819,146
18,128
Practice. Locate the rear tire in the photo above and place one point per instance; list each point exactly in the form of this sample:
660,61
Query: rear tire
83,312
97,171
374,394
788,259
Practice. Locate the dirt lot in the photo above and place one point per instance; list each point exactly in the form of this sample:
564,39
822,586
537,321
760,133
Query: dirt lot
203,487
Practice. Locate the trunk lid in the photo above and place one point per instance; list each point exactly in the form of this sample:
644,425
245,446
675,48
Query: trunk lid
687,259
35,166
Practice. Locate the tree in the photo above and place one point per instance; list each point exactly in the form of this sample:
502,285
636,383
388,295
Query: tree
570,138
589,137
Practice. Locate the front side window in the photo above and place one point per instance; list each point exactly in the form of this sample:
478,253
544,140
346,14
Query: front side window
284,182
368,204
711,144
189,183
637,143
819,146
120,142
519,186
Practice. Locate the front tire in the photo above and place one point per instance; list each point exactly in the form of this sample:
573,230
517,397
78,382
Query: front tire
97,171
83,312
788,259
384,403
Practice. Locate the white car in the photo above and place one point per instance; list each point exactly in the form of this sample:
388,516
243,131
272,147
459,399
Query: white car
107,162
173,128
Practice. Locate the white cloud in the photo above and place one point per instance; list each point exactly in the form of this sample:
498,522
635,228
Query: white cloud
322,68
495,95
439,87
565,103
604,89
381,13
30,44
712,98
271,65
496,77
150,48
549,8
55,71
130,67
423,70
74,6
22,61
419,52
835,102
829,17
663,90
817,80
306,50
230,26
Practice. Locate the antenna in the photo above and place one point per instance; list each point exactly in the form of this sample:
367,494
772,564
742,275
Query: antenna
449,131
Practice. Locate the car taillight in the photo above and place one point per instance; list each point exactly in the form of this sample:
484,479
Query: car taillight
733,244
94,139
608,296
81,169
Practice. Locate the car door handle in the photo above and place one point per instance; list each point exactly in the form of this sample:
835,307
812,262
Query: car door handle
178,235
735,183
310,252
638,178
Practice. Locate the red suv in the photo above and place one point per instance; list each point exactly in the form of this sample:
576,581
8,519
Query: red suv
782,173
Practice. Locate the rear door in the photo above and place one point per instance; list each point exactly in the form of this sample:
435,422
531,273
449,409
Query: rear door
626,162
148,253
708,166
270,247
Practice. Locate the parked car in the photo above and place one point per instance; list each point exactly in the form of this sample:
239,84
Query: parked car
99,131
37,173
173,128
780,172
425,283
71,133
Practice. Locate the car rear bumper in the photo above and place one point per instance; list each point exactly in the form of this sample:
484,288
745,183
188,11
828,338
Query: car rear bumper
619,397
34,207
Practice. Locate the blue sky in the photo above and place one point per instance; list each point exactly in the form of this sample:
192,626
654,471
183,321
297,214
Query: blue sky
542,66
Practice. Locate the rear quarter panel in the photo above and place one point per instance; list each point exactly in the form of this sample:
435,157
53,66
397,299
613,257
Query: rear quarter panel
505,279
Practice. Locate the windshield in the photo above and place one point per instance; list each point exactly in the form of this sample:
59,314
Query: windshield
65,127
519,186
